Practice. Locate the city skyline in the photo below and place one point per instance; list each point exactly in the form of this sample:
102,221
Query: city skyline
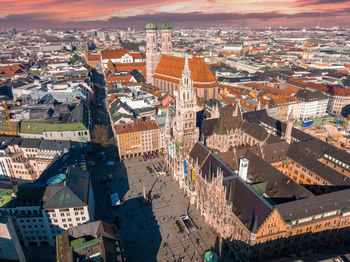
121,13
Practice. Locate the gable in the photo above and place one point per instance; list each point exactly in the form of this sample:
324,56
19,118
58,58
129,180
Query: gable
63,197
273,224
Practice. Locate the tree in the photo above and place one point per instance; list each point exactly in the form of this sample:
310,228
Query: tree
100,135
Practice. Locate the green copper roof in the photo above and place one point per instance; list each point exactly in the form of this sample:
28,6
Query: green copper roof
260,188
37,127
167,26
151,26
211,256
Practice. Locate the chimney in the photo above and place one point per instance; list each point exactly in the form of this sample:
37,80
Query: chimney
243,169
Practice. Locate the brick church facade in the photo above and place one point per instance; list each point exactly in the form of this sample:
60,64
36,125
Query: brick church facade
164,70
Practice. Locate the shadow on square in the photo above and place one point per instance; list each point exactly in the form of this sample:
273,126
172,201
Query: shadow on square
140,233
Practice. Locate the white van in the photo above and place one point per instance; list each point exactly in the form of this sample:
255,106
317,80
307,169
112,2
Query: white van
115,200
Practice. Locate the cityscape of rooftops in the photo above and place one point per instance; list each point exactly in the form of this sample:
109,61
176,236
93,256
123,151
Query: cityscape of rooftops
207,130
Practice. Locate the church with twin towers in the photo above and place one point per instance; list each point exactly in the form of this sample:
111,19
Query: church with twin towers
164,66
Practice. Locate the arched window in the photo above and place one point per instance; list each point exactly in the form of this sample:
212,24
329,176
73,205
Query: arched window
188,96
205,94
184,96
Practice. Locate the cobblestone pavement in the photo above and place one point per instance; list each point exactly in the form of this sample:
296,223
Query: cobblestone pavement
149,232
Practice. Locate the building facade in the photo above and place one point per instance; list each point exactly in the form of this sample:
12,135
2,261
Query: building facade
11,249
44,209
164,70
314,104
142,136
91,241
248,193
182,133
26,159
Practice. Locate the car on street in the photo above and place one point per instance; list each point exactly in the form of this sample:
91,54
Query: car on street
91,163
109,163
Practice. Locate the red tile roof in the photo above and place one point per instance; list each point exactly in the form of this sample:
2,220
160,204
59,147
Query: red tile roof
119,53
92,57
170,68
136,55
268,88
120,78
113,54
292,88
333,90
140,66
11,70
137,126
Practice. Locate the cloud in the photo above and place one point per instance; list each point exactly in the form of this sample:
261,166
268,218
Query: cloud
320,2
39,20
26,18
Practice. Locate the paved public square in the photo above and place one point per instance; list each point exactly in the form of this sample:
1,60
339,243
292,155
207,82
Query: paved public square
145,228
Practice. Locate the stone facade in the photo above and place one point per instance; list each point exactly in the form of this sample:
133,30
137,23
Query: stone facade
270,213
183,133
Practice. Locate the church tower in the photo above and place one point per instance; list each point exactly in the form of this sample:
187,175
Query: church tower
290,121
185,132
152,54
167,45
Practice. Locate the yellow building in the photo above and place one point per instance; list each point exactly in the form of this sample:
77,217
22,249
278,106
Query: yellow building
134,139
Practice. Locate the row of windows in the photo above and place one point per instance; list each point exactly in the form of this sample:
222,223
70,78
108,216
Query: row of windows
68,214
34,232
35,226
69,219
30,212
38,238
79,134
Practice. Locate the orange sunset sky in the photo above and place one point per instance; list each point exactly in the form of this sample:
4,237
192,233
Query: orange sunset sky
99,13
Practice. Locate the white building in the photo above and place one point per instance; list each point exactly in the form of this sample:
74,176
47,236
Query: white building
42,212
314,104
117,56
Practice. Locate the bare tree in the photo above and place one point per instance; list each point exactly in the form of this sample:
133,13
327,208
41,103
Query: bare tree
100,135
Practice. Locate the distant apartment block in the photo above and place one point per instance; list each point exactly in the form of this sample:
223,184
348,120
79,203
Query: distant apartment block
339,96
120,56
71,125
314,103
27,158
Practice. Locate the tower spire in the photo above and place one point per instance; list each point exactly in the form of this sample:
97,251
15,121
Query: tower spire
166,45
290,120
238,110
186,75
186,67
167,120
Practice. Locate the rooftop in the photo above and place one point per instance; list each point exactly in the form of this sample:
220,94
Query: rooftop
5,196
137,126
171,67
